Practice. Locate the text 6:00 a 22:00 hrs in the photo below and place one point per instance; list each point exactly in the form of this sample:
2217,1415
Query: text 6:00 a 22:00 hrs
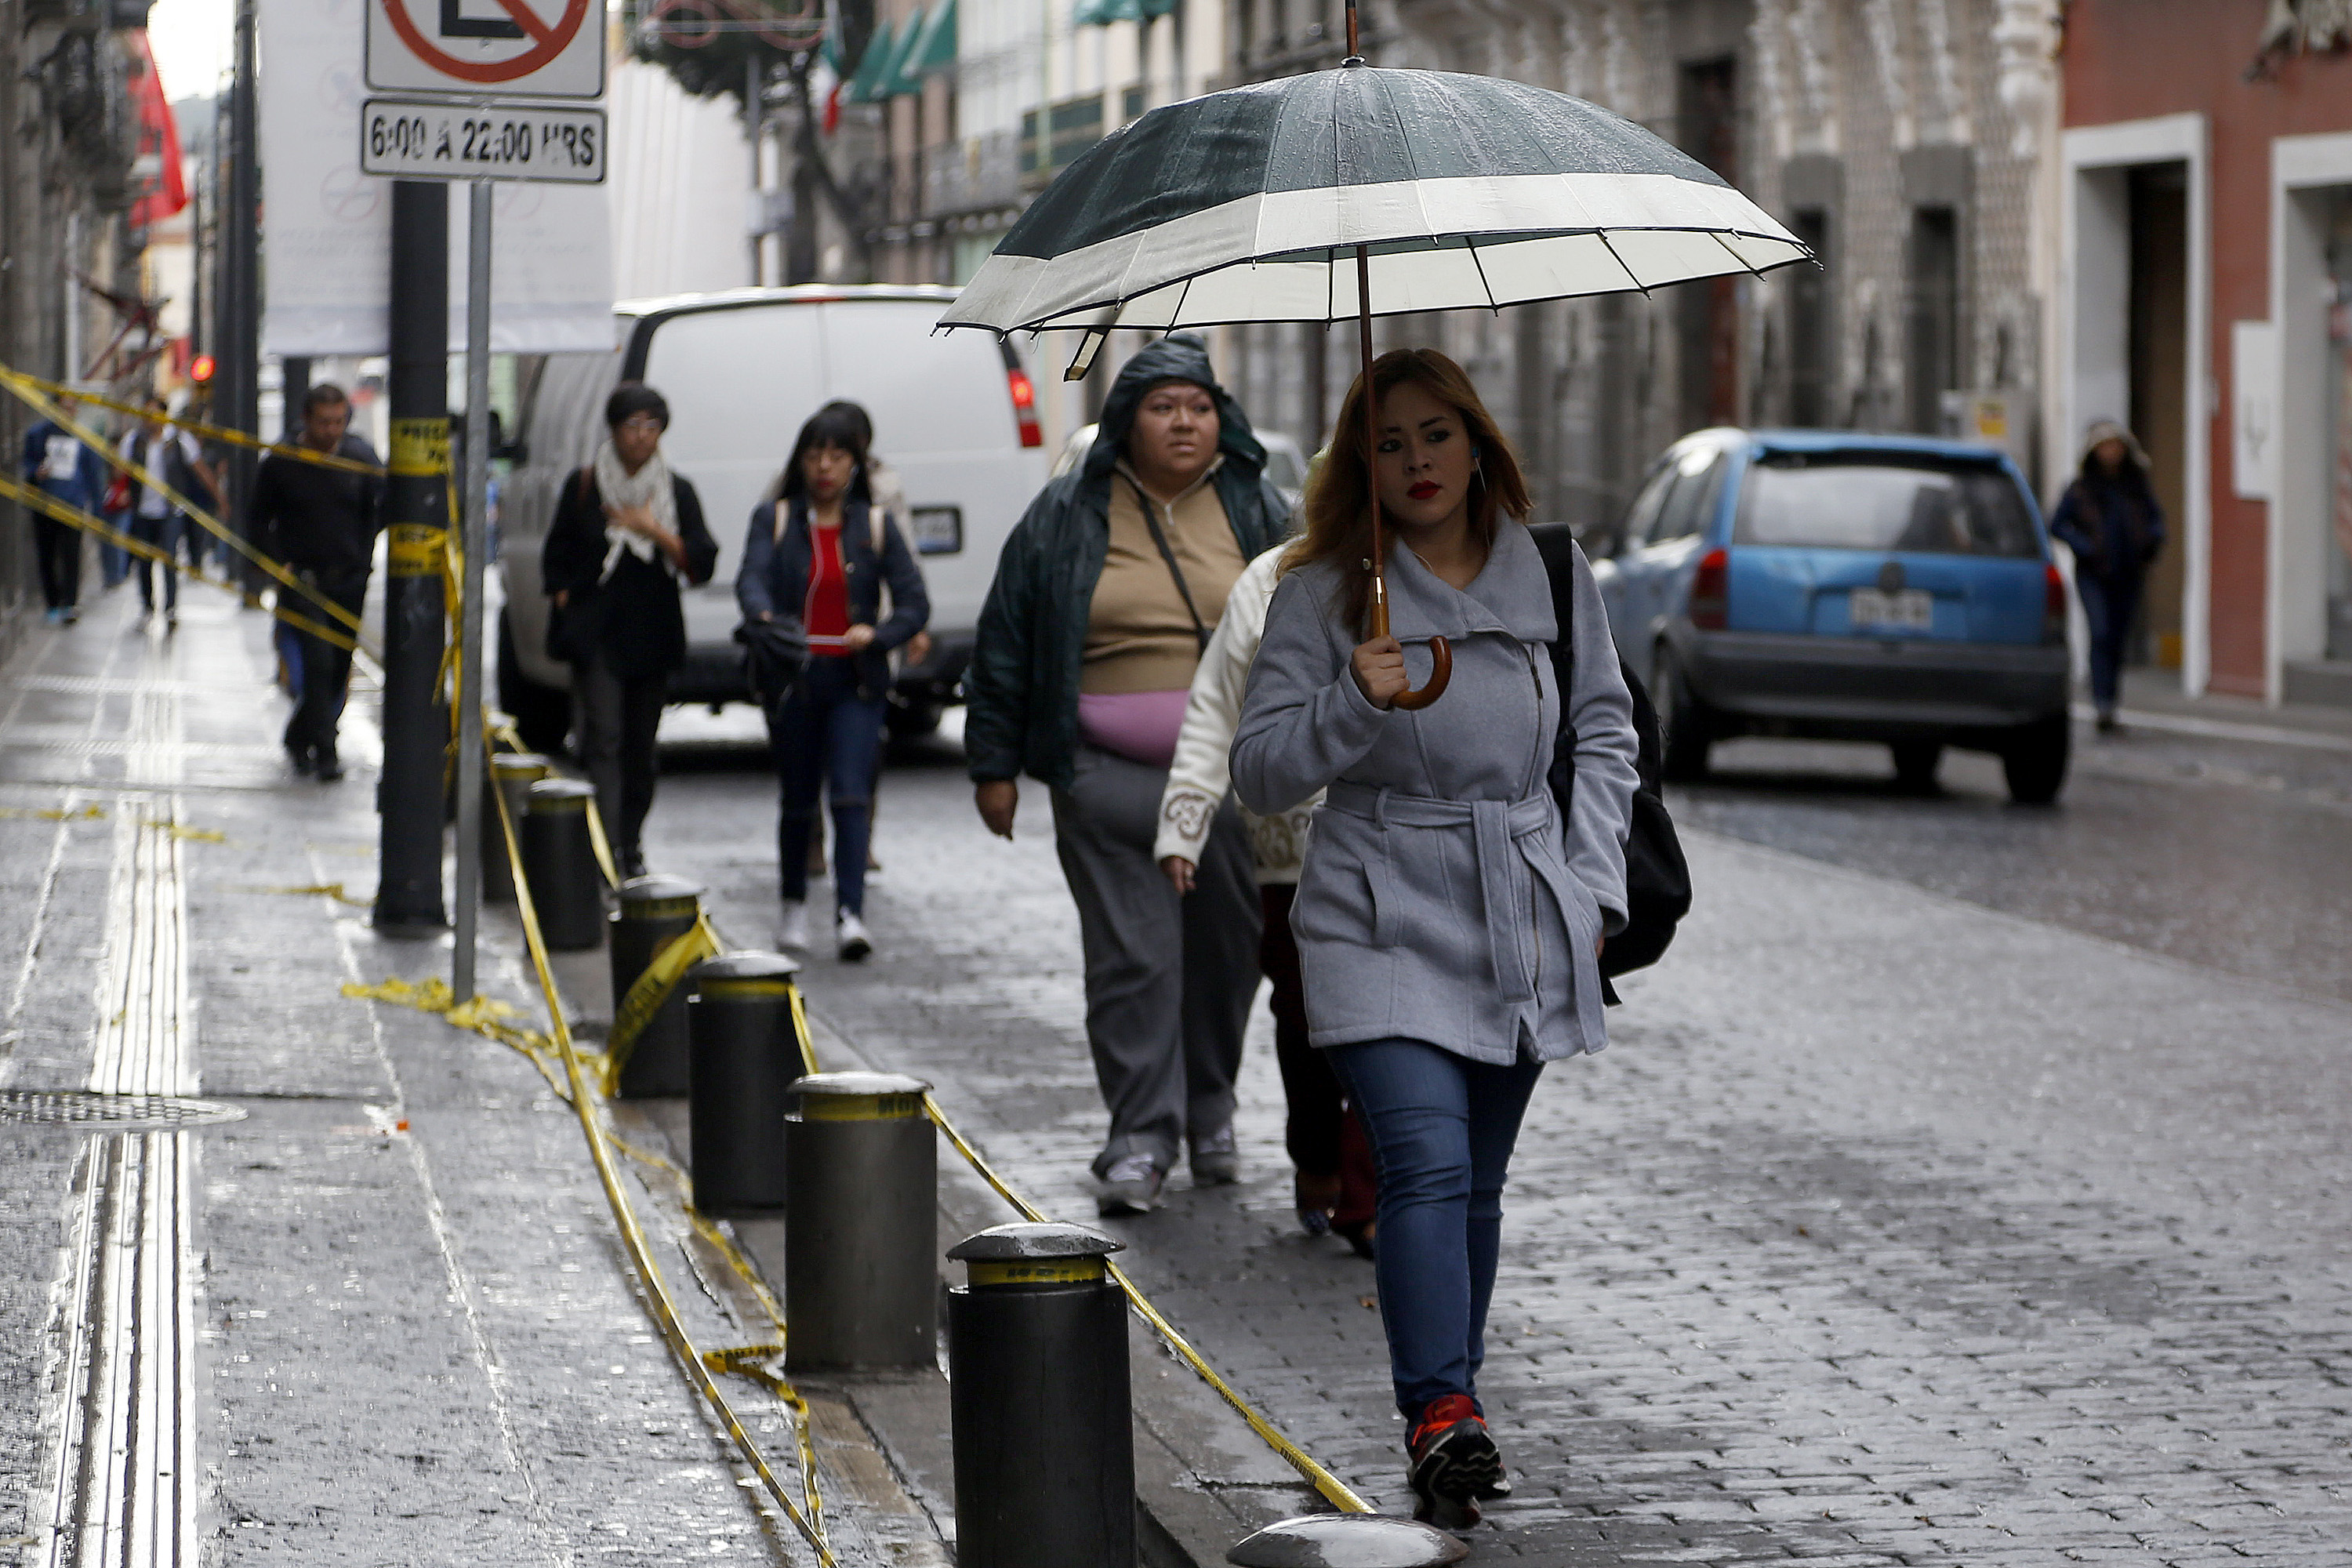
461,142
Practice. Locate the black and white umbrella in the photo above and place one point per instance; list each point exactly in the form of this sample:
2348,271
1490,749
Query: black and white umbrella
1468,192
1361,191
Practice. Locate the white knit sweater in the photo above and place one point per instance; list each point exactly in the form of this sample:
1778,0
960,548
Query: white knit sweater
1200,777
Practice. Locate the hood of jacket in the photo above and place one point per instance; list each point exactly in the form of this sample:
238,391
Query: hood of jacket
2104,430
1179,356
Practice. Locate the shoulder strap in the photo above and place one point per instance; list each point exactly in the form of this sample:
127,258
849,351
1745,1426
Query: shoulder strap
1557,545
783,520
1168,554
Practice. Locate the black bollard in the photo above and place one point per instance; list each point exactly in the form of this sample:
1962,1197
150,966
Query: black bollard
566,887
655,911
1044,1453
861,1226
512,774
743,1059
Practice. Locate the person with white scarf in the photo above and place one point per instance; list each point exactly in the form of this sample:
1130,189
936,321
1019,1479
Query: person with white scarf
627,531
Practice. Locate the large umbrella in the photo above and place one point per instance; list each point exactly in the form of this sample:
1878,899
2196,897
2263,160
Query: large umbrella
1361,191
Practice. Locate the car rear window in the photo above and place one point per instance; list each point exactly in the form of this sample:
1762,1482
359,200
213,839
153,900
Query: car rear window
1919,504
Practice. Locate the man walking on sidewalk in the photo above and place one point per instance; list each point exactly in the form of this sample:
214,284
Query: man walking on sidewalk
56,460
171,455
321,523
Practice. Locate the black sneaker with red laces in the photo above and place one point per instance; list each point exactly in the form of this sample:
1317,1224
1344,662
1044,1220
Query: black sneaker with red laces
1455,1463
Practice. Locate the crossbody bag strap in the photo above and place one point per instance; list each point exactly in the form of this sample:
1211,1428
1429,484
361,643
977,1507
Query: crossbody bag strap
1167,553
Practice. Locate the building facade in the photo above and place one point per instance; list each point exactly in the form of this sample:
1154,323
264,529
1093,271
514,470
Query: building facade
1901,139
2204,295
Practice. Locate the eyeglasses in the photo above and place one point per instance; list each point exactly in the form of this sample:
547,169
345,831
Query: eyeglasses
640,422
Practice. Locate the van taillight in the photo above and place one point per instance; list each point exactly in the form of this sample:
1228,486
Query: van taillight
1710,594
1024,406
2053,605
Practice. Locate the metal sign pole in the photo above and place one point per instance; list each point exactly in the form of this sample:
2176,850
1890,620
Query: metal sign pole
472,765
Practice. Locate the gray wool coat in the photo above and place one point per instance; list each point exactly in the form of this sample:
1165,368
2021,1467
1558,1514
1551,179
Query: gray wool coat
1441,900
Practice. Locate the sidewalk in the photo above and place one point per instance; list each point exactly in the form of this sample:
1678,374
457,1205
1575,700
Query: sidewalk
379,1316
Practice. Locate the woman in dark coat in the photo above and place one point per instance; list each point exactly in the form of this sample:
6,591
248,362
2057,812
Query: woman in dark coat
1104,596
2110,519
626,531
821,555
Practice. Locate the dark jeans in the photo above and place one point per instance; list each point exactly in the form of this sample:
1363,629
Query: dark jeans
162,532
2109,604
826,738
1442,1127
1170,980
1320,1131
326,669
615,723
58,547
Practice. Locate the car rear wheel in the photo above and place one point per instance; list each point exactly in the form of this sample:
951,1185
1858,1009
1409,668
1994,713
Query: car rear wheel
1914,764
2035,762
1683,723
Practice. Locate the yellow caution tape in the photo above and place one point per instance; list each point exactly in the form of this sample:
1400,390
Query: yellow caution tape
48,505
649,991
601,845
420,447
92,812
208,432
810,1523
312,890
31,393
185,833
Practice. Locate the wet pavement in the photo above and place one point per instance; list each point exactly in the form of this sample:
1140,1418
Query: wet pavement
1965,1187
1968,1187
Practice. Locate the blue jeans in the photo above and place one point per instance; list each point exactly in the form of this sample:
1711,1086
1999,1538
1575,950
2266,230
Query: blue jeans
2108,606
825,736
1442,1127
162,532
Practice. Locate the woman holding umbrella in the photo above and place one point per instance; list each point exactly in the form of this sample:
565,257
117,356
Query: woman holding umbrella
1448,919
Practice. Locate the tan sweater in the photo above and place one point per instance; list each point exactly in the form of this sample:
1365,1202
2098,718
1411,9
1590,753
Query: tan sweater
1139,636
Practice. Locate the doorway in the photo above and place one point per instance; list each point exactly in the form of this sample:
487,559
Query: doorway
2158,355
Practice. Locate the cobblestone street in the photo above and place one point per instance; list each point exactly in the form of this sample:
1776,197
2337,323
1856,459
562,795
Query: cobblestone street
1891,1228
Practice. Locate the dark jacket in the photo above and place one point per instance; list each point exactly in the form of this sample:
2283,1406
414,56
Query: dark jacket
631,619
774,577
1021,692
2113,525
86,488
318,518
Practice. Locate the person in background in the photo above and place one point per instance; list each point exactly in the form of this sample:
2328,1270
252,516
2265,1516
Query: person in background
627,531
171,455
1449,919
1105,595
817,553
2110,519
1334,1187
56,460
321,523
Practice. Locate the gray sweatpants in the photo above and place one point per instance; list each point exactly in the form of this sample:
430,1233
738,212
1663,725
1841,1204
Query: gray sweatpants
1169,981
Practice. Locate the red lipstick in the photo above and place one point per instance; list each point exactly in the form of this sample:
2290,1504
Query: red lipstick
1423,490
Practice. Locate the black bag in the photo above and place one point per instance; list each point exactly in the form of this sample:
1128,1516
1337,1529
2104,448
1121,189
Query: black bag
775,655
1657,878
573,630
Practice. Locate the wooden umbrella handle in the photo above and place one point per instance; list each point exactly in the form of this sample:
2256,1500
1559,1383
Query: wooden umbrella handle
1441,657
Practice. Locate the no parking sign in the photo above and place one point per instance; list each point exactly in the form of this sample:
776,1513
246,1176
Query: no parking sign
486,49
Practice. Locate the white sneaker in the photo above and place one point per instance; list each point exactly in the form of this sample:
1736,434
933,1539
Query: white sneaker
792,932
852,942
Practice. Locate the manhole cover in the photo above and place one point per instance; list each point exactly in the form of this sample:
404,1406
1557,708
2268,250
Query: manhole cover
111,1112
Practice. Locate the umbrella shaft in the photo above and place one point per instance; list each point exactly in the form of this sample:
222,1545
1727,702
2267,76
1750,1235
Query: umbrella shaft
1380,607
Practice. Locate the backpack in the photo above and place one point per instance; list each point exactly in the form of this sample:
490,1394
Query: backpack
1657,878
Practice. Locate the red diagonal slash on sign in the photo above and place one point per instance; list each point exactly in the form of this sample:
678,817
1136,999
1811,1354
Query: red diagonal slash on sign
528,20
547,41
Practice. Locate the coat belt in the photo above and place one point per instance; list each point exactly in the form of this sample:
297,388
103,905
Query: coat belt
1496,826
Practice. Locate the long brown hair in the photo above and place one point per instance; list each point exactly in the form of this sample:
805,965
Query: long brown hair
1338,496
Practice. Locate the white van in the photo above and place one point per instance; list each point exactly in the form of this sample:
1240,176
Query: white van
954,416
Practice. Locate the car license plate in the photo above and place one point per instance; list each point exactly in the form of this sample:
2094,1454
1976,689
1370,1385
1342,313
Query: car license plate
1904,610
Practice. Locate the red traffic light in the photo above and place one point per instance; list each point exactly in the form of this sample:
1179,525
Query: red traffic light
200,368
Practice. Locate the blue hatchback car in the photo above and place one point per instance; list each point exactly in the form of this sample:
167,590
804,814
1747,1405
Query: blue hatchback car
1844,587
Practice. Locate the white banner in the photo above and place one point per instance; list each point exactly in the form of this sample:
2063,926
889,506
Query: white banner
327,228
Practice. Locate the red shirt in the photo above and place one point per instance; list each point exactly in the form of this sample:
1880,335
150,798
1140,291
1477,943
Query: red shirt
826,612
